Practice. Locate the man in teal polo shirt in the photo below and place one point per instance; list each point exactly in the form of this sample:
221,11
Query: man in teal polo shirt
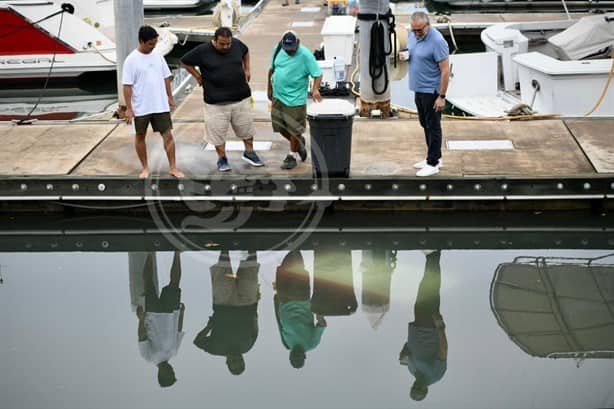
291,66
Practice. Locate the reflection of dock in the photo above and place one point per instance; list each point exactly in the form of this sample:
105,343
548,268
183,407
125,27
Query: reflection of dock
550,160
557,307
296,230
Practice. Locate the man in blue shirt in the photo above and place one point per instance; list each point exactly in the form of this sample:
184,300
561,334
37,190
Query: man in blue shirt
429,71
291,66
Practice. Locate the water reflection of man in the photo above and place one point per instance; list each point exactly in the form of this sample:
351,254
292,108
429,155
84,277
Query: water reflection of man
161,321
233,328
426,351
295,318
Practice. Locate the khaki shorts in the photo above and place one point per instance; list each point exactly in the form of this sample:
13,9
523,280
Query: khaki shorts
288,119
160,122
237,114
242,289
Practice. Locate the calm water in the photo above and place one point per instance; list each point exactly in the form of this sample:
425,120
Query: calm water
70,331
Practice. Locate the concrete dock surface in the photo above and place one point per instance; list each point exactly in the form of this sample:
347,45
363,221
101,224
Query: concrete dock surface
387,148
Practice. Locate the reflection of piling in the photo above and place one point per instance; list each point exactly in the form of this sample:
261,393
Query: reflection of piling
377,267
333,286
137,261
374,77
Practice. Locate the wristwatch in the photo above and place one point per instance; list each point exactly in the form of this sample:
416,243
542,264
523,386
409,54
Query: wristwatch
442,96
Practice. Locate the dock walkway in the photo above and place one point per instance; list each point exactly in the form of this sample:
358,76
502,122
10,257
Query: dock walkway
548,158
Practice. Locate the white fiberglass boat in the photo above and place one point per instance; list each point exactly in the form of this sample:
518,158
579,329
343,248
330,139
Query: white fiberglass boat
560,67
174,4
40,39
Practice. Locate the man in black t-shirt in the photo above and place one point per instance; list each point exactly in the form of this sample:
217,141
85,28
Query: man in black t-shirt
223,72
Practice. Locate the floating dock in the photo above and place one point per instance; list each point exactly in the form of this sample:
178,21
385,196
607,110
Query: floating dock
555,161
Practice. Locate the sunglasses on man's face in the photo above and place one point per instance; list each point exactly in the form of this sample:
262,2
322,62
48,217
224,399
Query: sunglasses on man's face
419,30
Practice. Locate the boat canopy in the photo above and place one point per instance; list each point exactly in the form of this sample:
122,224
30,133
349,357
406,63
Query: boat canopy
589,36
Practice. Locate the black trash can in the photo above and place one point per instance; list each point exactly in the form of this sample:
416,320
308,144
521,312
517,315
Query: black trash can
330,125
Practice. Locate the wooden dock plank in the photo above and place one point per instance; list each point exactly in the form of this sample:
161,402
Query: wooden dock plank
595,138
49,149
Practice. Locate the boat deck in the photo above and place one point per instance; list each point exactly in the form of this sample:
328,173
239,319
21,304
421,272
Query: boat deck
95,160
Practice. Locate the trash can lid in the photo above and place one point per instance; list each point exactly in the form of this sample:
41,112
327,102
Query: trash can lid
330,107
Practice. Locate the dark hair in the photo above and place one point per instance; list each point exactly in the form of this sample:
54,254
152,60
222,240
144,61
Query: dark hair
166,375
222,32
147,33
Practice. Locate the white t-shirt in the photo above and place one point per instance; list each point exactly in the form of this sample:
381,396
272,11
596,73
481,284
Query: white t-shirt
146,74
163,337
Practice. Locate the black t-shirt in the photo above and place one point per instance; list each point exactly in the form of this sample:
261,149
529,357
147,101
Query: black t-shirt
223,75
234,330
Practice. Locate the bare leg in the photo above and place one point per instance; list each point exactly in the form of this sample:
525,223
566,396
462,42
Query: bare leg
176,270
169,147
221,150
141,152
294,141
249,144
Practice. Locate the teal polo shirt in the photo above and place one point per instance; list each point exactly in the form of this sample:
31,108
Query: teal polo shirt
291,75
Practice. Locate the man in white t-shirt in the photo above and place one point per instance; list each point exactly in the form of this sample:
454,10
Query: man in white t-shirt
161,321
146,81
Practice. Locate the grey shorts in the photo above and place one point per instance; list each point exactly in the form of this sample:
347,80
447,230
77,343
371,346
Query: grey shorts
242,289
160,122
287,119
219,116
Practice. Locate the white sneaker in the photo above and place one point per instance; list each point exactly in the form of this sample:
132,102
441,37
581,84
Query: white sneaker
422,163
428,170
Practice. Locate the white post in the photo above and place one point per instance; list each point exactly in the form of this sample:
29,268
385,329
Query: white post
129,17
369,98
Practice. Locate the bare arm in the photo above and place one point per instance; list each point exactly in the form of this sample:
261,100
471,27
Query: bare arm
194,72
246,66
444,66
315,90
169,92
128,98
442,352
269,84
142,331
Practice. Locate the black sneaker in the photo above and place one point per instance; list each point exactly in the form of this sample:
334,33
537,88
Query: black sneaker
302,151
289,162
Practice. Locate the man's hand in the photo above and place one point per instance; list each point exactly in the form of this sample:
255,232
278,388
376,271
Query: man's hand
129,115
440,103
248,75
438,321
316,95
321,322
171,102
269,92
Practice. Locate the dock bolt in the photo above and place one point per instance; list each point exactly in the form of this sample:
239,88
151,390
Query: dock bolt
586,186
207,188
233,187
104,244
369,187
49,186
154,187
560,186
288,187
422,187
75,187
180,187
611,186
314,187
477,187
24,187
395,187
504,187
101,187
341,187
449,187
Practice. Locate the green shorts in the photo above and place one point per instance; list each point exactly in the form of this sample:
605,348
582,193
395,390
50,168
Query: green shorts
160,122
288,119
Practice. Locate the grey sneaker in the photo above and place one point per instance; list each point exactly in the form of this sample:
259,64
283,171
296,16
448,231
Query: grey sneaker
252,158
302,151
222,164
289,162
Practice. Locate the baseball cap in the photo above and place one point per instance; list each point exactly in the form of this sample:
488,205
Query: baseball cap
289,41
